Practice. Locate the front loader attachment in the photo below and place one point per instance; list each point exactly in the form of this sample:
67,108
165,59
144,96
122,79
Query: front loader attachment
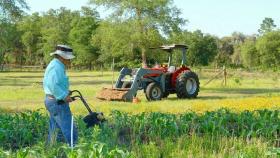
119,92
126,90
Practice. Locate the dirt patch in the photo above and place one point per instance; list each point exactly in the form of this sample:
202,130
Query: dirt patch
112,94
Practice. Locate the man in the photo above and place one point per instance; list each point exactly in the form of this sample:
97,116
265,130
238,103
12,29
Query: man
56,88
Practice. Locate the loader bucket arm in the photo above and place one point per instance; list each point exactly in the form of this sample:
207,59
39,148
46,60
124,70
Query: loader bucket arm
126,94
123,73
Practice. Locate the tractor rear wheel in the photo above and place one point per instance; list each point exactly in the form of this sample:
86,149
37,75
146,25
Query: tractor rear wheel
187,85
153,92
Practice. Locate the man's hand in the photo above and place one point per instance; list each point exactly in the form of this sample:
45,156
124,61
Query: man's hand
68,99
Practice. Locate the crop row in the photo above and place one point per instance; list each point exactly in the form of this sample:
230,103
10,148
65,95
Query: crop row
23,129
247,124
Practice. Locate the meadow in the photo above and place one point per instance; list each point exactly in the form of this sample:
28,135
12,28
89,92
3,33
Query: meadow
240,119
244,91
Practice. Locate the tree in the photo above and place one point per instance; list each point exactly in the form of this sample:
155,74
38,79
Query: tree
56,26
237,39
112,39
10,9
158,15
226,49
201,48
30,26
83,27
9,40
267,26
249,53
118,40
268,47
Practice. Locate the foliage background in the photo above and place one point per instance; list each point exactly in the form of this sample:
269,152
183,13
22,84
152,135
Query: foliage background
126,35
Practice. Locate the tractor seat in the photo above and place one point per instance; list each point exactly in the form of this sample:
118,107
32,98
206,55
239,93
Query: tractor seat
171,69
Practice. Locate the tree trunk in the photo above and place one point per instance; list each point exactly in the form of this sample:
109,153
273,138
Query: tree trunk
144,59
141,40
90,66
2,58
29,55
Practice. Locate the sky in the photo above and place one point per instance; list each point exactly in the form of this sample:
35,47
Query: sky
216,17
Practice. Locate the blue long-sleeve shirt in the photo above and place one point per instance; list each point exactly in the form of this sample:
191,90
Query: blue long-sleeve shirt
55,81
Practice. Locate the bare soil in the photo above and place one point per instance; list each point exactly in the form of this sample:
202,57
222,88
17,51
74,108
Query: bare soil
111,94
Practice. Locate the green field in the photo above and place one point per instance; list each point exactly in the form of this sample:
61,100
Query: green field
247,125
244,90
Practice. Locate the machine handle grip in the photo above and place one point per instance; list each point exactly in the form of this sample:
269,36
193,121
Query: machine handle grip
82,99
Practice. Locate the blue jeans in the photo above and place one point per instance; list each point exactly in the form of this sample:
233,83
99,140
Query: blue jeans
60,122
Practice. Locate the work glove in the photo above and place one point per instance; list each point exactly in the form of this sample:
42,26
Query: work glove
68,99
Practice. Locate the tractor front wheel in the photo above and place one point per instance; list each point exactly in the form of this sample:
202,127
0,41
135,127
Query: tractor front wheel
187,85
153,92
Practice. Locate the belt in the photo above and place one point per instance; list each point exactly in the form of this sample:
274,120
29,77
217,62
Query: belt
52,97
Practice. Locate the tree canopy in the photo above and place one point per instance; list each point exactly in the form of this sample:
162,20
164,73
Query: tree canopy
9,39
146,16
267,25
10,9
126,36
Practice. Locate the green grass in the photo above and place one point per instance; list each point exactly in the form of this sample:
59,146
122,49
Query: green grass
23,90
206,146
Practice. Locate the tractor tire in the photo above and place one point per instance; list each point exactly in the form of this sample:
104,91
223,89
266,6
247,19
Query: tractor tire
165,95
126,85
153,92
187,85
167,85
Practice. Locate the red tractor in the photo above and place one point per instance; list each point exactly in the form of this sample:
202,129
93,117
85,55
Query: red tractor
157,82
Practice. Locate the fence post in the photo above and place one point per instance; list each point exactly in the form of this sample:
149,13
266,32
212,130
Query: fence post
225,75
113,65
101,70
